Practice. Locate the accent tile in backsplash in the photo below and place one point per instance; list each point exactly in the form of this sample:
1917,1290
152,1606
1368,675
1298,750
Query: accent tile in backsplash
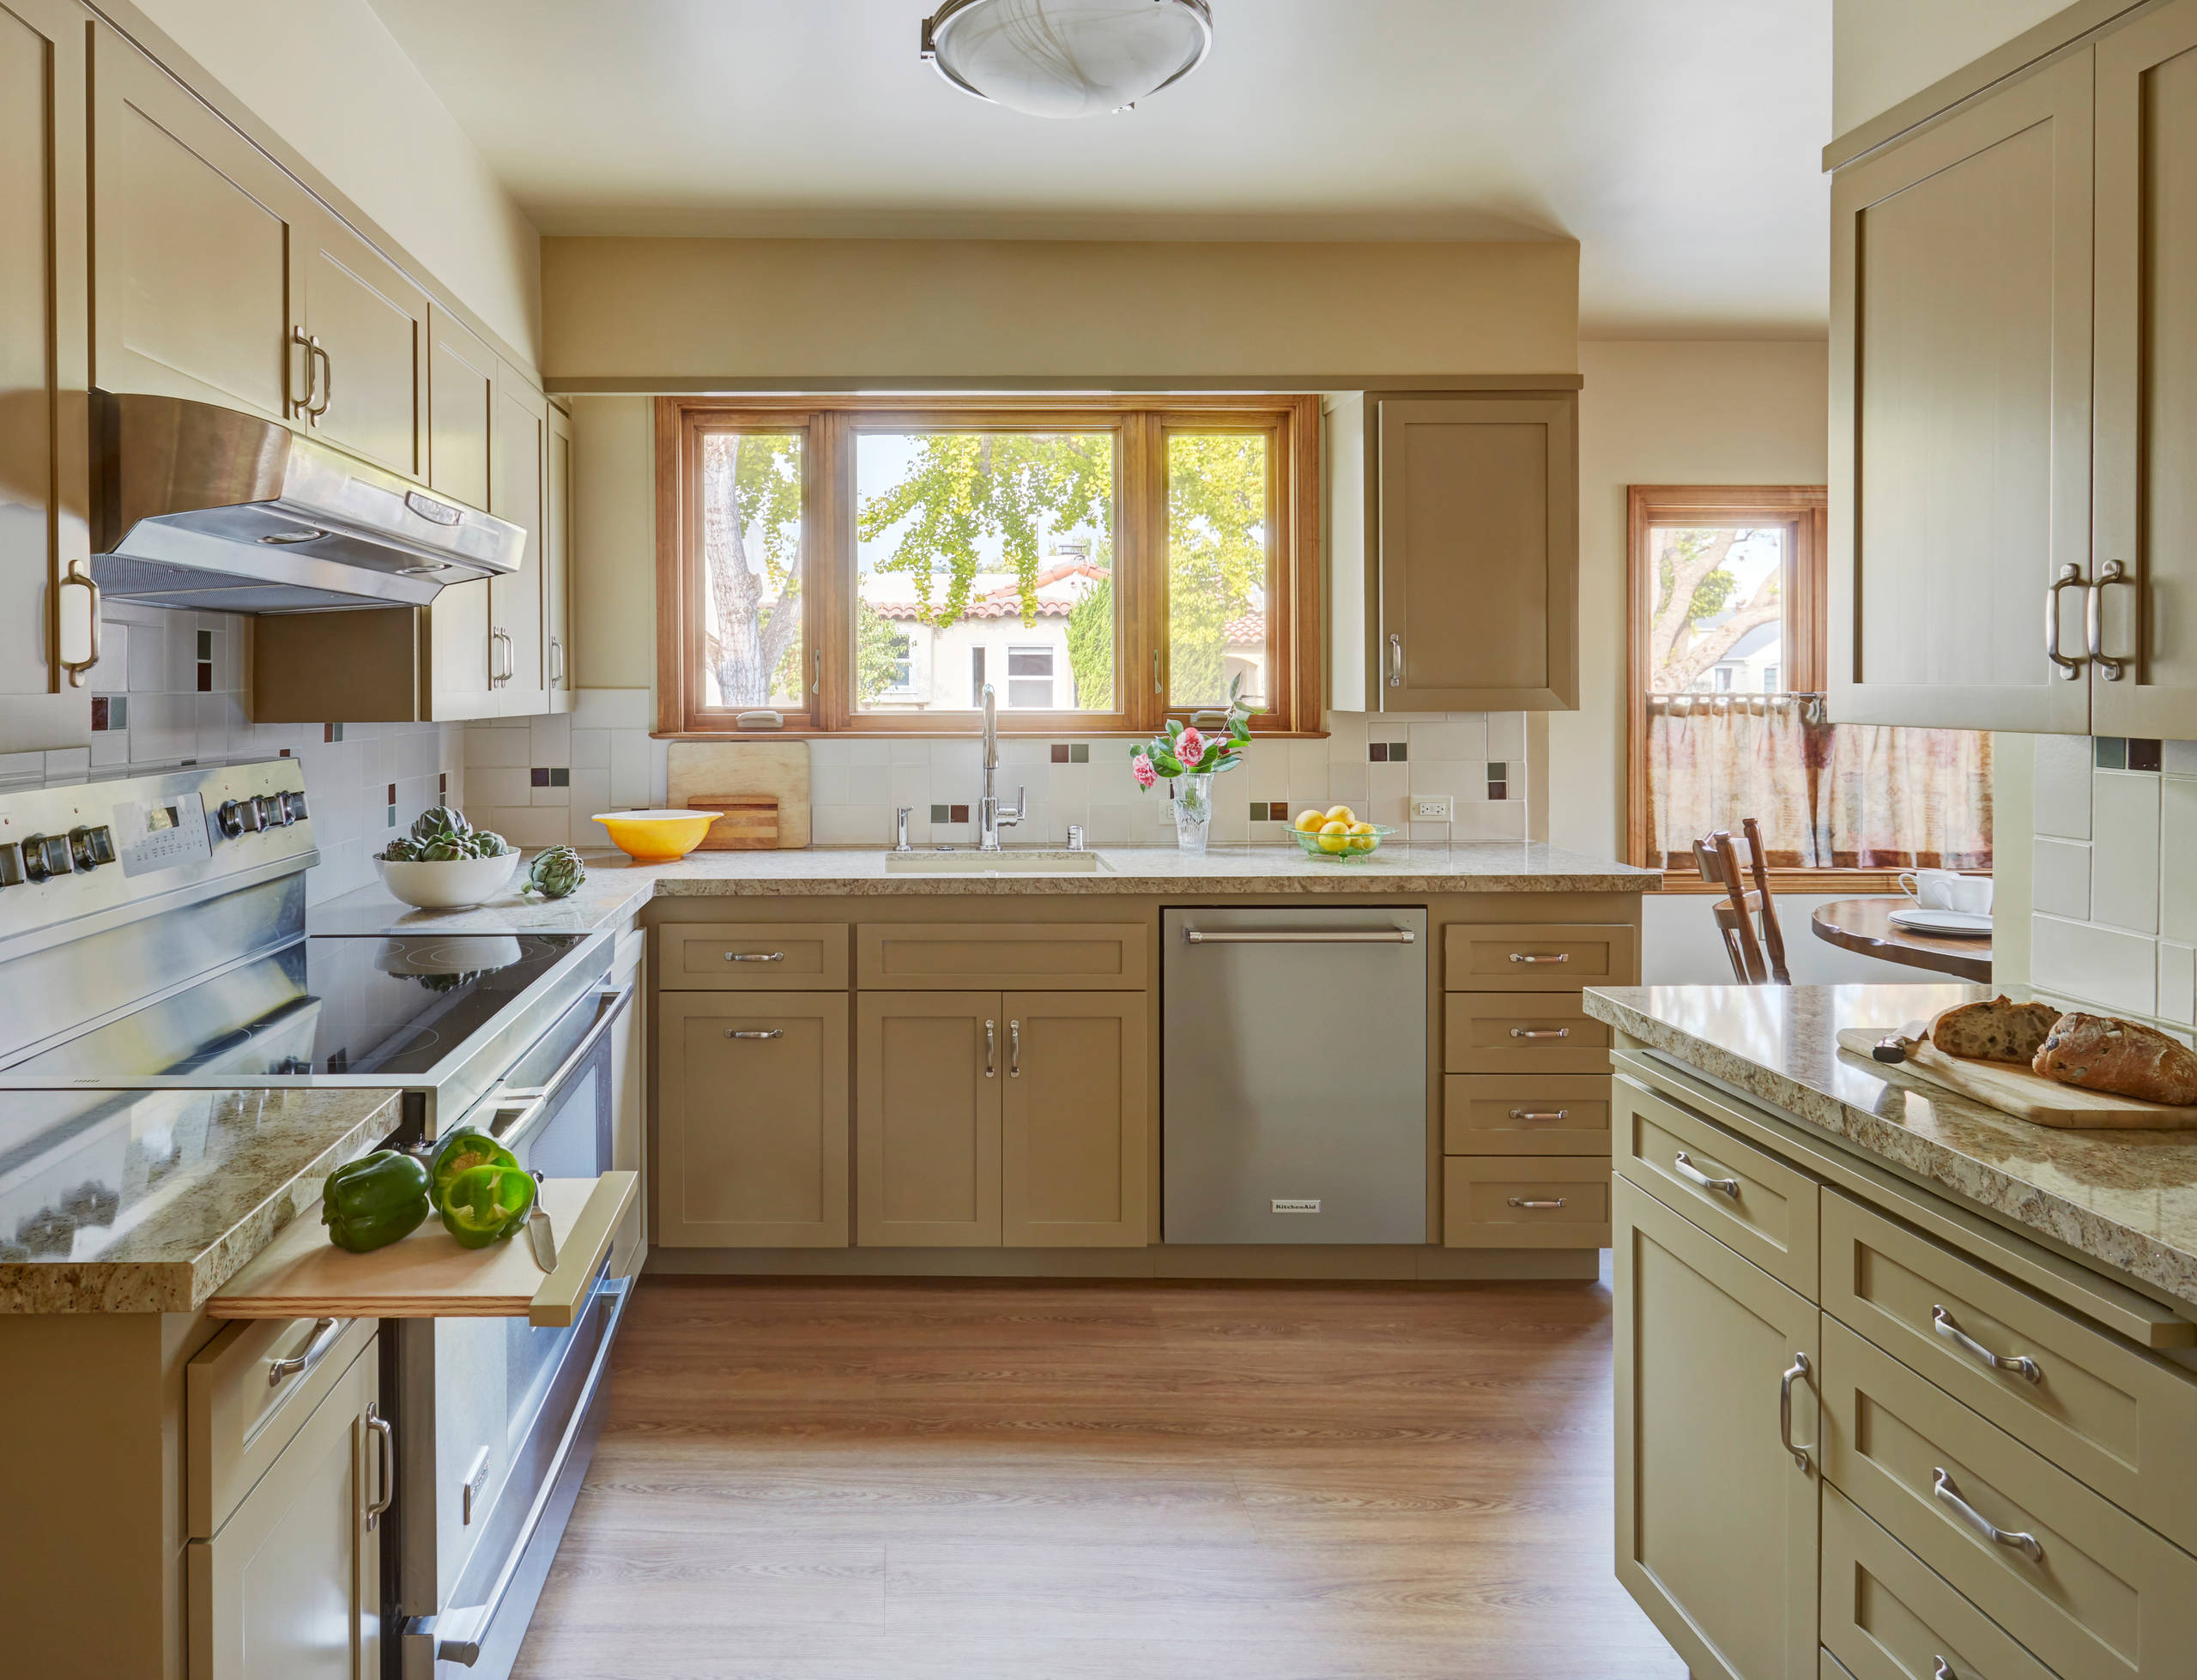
604,751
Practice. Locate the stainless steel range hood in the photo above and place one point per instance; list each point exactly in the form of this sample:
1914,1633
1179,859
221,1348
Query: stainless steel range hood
198,506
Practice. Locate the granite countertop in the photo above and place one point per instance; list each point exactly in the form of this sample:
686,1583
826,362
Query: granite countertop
2126,1198
616,887
205,1180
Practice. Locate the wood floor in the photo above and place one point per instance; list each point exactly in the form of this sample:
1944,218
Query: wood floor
981,1481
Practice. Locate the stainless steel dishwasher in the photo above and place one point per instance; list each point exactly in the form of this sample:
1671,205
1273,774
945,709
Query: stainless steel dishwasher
1293,1075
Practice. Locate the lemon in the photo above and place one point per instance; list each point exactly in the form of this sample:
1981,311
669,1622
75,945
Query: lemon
1311,821
1335,837
1363,839
1341,813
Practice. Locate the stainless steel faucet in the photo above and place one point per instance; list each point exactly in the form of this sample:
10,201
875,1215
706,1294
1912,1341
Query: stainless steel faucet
992,816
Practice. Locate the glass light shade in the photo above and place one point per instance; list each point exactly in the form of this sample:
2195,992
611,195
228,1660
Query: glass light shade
1069,57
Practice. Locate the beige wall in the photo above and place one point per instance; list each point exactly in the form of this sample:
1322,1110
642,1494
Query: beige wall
1663,413
329,77
703,312
1883,51
614,541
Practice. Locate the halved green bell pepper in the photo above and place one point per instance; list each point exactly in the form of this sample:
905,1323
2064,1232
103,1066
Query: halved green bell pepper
486,1203
466,1148
373,1201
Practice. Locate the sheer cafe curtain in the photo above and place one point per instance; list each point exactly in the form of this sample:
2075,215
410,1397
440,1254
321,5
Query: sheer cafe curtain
1850,796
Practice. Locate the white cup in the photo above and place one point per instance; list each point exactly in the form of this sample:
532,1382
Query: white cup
1948,890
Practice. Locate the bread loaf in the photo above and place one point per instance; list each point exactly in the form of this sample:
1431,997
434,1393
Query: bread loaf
2104,1052
1999,1030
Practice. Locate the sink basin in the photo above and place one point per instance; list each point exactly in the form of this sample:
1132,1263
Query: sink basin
1015,862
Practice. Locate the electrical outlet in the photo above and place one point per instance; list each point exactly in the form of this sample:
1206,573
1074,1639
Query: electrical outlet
1433,808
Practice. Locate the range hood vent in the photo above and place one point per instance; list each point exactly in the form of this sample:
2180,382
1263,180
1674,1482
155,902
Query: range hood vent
198,505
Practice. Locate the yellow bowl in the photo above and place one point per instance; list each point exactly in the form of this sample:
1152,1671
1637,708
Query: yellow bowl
656,837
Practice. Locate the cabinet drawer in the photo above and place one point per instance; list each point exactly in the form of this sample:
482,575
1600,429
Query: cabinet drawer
1503,1201
950,956
751,957
1738,1193
1891,1617
2099,1595
1526,1114
246,1394
2114,1417
1521,1032
1537,956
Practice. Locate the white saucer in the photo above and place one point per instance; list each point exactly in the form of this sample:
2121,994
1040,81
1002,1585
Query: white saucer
1958,924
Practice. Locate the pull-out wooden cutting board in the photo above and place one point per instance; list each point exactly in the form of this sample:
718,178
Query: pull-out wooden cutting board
2016,1090
706,769
301,1274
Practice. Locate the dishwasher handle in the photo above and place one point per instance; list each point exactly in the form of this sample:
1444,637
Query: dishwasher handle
1367,936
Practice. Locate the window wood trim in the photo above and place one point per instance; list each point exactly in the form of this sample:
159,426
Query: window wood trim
1298,679
1803,510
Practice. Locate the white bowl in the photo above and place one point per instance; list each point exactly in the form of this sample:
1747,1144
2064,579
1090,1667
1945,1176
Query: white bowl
452,885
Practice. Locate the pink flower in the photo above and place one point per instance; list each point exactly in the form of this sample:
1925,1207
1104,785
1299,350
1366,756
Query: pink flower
1140,767
1189,748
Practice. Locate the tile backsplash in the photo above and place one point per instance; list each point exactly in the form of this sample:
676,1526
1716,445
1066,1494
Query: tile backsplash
535,780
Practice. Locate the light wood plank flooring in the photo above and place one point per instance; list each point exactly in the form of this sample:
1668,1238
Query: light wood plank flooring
981,1481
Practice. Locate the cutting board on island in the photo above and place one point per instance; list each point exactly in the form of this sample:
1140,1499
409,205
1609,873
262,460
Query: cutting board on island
704,772
2014,1090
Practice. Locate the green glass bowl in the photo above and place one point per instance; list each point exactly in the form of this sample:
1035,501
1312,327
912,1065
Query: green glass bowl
1355,849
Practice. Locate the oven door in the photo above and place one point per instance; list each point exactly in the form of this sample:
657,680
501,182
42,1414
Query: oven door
485,1487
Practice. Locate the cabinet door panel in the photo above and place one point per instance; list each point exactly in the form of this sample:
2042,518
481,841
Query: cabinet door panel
1073,1121
557,563
461,409
1960,358
515,491
2147,511
197,240
458,670
928,1071
1716,1535
1478,557
371,323
752,1120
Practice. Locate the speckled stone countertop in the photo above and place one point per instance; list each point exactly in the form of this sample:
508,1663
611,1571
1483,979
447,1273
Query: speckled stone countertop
616,887
2126,1199
207,1179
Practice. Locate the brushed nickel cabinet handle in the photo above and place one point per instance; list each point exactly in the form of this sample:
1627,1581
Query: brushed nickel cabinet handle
2110,573
1943,1670
556,661
1800,1370
1683,1164
1947,1492
1540,1032
1944,1324
754,956
380,1428
1014,1049
300,407
78,654
1540,1114
1529,1201
1540,956
756,1032
2070,577
1395,660
991,1050
325,1334
314,347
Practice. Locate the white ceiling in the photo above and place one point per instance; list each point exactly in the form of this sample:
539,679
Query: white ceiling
1677,140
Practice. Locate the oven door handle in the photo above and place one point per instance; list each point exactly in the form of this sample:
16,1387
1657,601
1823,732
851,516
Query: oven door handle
512,1124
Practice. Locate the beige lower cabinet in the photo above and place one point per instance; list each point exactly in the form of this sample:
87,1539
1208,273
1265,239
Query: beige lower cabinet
289,1586
1072,1120
1526,1202
752,1120
1716,1535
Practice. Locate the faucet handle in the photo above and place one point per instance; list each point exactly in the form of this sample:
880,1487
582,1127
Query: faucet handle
1007,817
900,829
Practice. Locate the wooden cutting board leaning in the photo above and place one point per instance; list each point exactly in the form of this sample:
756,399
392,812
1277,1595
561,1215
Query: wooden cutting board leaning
704,773
2012,1088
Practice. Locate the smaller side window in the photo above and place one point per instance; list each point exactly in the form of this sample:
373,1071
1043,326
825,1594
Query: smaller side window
1030,678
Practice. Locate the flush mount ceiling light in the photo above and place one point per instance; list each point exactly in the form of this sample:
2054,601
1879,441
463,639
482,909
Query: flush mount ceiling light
1067,57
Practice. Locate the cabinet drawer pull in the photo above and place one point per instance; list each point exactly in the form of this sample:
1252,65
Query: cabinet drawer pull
1943,1489
1694,1175
991,1050
2019,1363
1540,1114
380,1428
756,1032
1530,1201
325,1334
1540,1032
754,956
1800,1370
1540,956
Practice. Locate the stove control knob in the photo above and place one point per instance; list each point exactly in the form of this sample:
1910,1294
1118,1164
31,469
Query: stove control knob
91,846
46,855
294,806
266,809
230,818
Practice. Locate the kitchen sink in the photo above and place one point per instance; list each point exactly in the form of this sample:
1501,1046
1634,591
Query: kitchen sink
1016,862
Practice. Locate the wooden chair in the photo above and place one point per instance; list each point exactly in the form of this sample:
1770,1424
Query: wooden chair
1755,961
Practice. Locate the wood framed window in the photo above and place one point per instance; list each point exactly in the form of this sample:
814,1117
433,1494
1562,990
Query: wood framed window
870,564
1727,640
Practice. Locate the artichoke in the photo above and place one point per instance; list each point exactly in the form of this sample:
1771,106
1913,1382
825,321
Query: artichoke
400,851
555,874
440,822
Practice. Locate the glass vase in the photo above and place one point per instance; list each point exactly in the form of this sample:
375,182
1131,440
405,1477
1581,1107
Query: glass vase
1193,812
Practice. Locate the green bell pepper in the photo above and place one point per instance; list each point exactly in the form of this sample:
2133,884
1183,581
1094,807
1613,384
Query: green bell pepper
466,1148
486,1203
374,1200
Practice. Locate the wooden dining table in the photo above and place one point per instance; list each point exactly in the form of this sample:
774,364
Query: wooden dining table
1865,925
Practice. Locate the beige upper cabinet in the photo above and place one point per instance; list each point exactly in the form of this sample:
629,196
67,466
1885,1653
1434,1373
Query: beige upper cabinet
1716,1520
557,563
1072,1120
461,408
1465,588
927,1070
516,482
366,330
45,491
1961,323
2145,512
198,275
